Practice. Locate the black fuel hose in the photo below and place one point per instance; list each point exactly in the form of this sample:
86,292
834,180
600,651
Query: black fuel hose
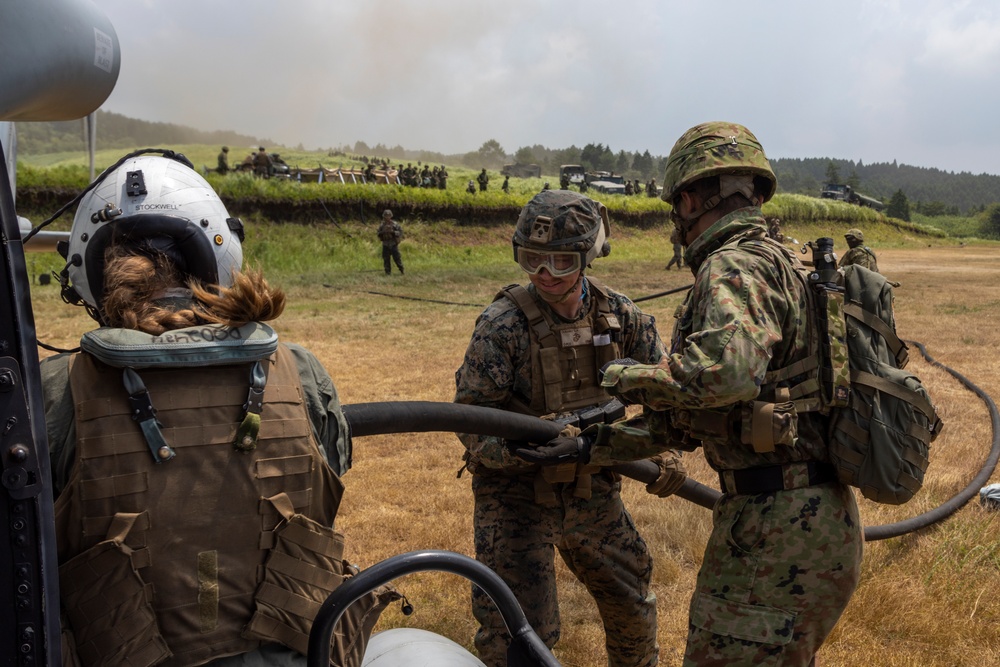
528,645
428,416
424,416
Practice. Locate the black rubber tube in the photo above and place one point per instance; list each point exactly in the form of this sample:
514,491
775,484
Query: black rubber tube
394,567
957,501
425,416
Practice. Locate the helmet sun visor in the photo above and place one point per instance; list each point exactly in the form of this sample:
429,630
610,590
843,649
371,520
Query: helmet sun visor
558,264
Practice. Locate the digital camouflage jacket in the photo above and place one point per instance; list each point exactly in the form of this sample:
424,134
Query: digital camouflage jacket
497,365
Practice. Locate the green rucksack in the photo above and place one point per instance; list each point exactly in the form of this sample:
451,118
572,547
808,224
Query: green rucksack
882,420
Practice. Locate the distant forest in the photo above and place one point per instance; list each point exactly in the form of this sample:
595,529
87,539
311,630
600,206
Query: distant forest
932,191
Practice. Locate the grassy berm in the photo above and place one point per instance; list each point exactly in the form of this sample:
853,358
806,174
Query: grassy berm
927,599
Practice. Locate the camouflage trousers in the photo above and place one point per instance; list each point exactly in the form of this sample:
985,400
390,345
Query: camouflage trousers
778,572
393,252
597,540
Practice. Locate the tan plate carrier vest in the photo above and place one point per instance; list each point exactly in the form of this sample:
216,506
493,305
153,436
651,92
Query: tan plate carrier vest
208,554
565,360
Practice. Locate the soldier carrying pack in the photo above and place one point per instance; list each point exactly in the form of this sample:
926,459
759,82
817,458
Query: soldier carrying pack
882,419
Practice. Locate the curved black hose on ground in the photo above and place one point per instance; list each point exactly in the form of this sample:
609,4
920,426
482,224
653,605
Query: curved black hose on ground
426,416
957,501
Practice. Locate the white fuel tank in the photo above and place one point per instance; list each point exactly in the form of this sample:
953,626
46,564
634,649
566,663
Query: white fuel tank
413,647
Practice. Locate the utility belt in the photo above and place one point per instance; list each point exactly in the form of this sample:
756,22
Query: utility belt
768,479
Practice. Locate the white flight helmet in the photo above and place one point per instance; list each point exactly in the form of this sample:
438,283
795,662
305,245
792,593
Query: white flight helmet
154,203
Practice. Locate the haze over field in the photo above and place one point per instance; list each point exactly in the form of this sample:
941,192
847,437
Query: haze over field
869,80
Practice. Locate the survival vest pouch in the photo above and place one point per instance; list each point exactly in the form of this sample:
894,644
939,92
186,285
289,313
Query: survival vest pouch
304,566
882,422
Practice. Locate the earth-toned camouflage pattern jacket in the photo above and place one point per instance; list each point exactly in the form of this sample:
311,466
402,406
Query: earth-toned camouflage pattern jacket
497,363
746,314
390,233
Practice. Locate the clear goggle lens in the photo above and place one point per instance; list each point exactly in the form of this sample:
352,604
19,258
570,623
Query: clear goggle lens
557,263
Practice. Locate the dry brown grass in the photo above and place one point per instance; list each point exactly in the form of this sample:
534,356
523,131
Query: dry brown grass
928,599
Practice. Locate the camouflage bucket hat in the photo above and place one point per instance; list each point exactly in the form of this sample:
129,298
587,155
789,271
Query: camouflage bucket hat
563,221
715,149
855,233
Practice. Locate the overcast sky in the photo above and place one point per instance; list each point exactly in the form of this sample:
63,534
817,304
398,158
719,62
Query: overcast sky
916,81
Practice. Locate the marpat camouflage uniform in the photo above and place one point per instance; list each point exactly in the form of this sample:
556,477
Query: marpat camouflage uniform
390,233
780,566
515,533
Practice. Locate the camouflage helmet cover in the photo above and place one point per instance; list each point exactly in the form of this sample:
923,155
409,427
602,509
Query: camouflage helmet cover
563,221
855,233
715,149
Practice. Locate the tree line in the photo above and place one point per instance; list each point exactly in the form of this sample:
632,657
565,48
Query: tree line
925,190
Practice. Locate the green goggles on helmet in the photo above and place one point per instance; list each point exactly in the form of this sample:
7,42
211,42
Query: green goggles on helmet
558,264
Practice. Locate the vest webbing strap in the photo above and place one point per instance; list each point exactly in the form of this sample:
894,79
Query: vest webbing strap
121,526
536,320
798,368
144,413
281,562
903,394
896,346
267,626
549,344
287,601
109,487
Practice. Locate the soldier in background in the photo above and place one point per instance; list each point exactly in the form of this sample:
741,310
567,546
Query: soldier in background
678,258
858,253
471,187
784,555
223,161
262,163
390,233
442,178
774,229
506,184
483,180
522,512
651,189
629,190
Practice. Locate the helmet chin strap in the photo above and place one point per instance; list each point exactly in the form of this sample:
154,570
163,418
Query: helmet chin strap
729,184
560,298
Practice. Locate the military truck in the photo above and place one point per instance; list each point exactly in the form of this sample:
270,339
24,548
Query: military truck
846,193
606,182
572,173
519,170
